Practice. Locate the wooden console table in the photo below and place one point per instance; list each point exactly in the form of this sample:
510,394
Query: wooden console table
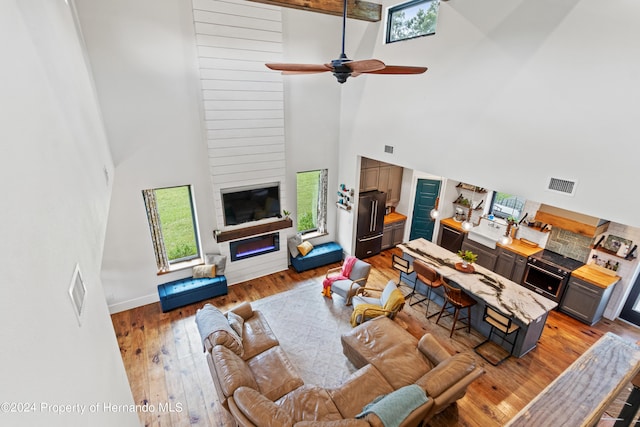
580,395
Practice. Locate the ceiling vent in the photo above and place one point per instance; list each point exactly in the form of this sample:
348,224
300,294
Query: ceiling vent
562,186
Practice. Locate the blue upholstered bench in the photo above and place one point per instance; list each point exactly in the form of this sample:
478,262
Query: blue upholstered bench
323,254
189,290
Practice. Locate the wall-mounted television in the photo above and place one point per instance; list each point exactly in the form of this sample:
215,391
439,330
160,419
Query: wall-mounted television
245,204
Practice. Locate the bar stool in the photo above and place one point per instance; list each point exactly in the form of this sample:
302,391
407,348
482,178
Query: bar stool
403,266
459,300
430,277
500,323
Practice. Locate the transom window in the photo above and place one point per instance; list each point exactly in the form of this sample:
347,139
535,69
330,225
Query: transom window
311,191
173,226
413,19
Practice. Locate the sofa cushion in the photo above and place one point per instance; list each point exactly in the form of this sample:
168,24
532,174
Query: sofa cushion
292,244
274,373
305,247
260,410
257,335
442,377
231,370
220,261
214,330
207,270
310,403
360,388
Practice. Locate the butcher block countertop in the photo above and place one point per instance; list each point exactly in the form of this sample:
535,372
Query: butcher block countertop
450,222
394,217
520,248
595,276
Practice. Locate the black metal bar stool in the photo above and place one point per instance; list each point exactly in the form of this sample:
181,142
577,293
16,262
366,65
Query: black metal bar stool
430,277
504,326
404,267
459,300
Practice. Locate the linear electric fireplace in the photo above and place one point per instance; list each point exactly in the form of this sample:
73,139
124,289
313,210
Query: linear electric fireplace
254,246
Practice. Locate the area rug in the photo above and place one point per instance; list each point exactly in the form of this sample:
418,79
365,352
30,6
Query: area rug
309,326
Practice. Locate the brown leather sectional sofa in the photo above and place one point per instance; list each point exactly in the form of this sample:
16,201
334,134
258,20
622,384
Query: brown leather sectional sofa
260,387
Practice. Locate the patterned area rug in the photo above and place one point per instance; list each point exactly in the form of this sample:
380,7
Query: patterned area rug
308,327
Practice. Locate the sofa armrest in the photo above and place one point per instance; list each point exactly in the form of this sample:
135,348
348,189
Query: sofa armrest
252,406
447,375
244,310
430,347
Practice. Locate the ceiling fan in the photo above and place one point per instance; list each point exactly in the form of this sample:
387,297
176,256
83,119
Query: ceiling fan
343,67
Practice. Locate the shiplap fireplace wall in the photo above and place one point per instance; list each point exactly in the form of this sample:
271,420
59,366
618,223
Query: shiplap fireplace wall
243,104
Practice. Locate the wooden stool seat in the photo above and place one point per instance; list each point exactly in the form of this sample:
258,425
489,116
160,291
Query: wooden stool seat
503,324
430,277
459,300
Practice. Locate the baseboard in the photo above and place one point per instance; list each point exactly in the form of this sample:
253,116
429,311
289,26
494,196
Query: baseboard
133,303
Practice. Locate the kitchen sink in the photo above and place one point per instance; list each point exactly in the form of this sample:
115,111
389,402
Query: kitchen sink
483,239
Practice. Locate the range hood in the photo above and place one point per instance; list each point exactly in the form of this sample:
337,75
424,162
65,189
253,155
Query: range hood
571,221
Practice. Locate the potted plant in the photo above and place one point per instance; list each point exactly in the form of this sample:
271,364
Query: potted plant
467,257
286,213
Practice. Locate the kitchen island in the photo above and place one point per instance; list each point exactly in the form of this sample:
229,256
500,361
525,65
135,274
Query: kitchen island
528,309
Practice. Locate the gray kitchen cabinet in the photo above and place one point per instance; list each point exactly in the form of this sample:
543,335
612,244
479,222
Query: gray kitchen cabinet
392,234
369,179
510,265
487,257
395,185
585,301
518,269
505,263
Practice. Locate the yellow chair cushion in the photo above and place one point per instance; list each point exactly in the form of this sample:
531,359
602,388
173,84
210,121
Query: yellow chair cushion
305,247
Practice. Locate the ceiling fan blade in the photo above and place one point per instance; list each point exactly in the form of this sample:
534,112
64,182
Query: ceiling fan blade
398,69
299,68
365,65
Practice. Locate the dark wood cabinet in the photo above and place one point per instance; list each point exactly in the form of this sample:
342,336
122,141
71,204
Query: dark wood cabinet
585,301
510,265
487,257
518,269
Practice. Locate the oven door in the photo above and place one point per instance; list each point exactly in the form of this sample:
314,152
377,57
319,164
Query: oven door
544,282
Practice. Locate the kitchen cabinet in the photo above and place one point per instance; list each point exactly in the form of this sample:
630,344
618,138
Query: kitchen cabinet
585,301
510,265
392,234
376,175
369,179
487,257
519,268
450,238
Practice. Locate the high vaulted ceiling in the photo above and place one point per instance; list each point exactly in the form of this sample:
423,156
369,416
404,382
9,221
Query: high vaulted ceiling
361,10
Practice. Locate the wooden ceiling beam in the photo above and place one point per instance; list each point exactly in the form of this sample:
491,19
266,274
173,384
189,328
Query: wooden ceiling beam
356,9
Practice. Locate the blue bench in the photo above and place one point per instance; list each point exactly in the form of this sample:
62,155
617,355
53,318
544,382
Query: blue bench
323,254
189,290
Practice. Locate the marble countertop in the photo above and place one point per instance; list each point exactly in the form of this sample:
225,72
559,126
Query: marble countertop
509,297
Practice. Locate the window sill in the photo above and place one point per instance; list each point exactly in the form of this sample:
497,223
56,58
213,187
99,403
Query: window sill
182,266
313,235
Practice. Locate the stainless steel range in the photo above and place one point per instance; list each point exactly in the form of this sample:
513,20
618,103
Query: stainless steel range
548,273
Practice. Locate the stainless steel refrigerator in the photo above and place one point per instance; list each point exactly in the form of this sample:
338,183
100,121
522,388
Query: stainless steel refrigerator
371,209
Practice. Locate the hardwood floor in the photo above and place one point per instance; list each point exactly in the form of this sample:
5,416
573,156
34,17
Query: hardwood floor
165,363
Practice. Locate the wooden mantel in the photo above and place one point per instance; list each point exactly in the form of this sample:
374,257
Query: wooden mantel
362,10
239,233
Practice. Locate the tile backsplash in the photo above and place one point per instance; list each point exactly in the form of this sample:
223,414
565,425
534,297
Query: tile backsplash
572,245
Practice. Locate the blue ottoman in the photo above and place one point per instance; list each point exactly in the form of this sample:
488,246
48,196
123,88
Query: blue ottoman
189,290
323,254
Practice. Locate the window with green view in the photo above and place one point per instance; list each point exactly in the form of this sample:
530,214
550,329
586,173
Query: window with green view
413,19
178,225
311,191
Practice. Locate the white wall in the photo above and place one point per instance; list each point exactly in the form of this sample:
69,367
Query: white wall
515,92
56,172
144,61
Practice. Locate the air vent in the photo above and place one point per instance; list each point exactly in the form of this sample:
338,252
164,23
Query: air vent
388,149
562,186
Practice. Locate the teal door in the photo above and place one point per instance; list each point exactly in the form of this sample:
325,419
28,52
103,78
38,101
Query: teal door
427,192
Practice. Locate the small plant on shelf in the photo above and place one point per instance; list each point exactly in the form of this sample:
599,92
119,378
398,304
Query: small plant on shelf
286,213
467,257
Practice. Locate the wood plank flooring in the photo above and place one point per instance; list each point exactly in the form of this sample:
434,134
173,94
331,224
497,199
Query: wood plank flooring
165,364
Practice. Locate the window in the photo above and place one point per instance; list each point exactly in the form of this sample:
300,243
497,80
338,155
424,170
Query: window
506,205
311,190
173,225
413,19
